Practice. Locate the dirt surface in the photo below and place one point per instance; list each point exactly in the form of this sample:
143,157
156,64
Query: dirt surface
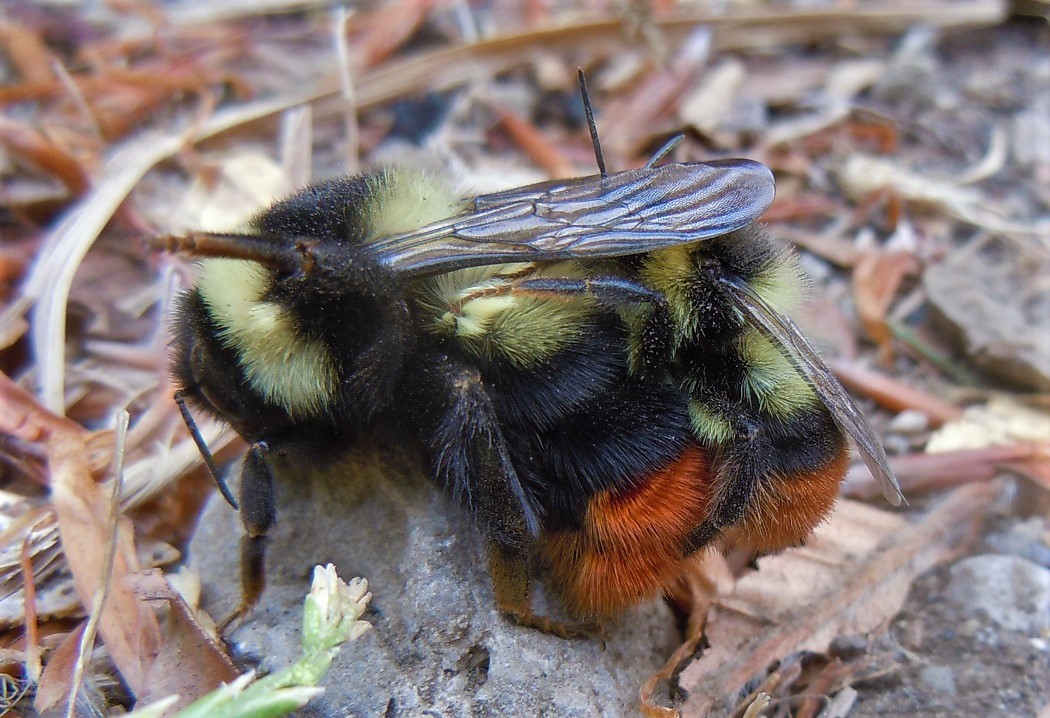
943,659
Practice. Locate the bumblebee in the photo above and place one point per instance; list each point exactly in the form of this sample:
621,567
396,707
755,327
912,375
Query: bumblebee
602,371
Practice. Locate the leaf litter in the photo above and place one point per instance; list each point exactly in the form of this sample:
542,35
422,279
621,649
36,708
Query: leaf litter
123,121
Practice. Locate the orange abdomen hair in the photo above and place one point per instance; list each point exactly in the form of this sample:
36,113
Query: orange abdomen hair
632,543
784,510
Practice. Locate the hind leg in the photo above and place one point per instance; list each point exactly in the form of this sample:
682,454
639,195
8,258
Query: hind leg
473,463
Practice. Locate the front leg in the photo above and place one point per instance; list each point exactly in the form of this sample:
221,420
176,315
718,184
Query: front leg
258,514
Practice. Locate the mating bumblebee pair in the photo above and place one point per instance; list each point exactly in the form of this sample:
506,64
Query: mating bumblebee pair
602,371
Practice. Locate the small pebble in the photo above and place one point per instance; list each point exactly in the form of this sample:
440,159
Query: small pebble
939,678
1027,539
911,633
895,444
969,628
909,423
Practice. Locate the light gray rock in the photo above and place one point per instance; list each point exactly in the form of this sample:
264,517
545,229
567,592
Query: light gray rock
939,678
1028,539
995,304
1010,592
909,422
439,647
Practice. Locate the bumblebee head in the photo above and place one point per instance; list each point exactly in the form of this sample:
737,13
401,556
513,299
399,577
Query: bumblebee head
300,304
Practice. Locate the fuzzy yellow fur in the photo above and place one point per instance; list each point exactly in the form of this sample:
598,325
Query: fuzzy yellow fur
772,381
406,200
523,329
287,368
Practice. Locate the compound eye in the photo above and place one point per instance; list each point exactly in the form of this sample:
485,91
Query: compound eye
210,385
198,364
224,405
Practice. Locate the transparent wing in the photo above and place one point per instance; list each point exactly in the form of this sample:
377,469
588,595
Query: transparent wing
786,335
625,213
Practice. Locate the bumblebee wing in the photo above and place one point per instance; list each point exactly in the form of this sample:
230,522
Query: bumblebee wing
786,335
625,213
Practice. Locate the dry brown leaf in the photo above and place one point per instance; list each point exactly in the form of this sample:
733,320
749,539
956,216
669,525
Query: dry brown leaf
947,469
191,661
829,247
378,34
707,106
850,578
127,626
802,207
45,155
24,49
22,415
23,525
877,277
863,176
538,146
56,597
630,123
53,688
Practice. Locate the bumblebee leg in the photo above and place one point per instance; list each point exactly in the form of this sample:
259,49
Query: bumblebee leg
474,464
773,484
701,536
737,478
511,571
611,291
258,514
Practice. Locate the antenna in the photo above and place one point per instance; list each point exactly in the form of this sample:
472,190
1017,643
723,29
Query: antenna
590,124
